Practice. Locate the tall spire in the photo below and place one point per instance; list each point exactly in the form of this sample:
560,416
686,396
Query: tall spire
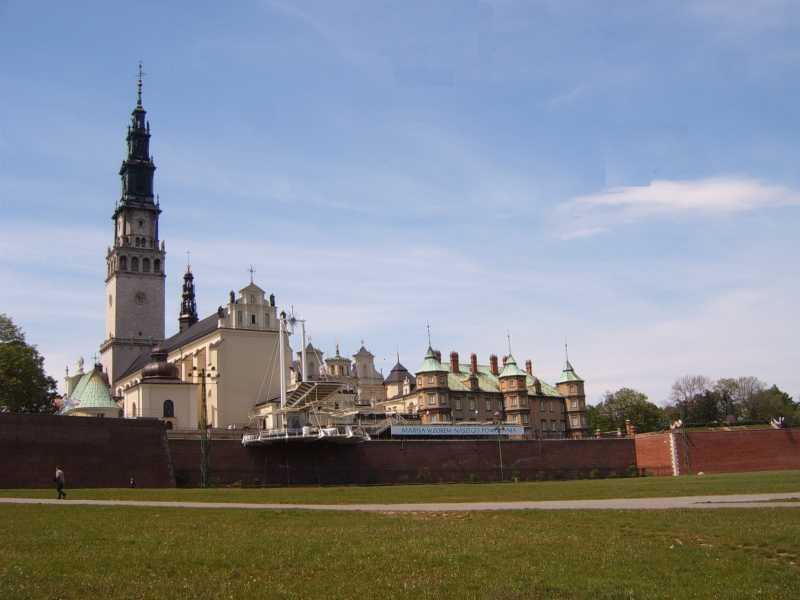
137,169
188,316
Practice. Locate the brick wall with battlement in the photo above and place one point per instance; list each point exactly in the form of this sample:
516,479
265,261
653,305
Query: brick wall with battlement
718,451
92,451
400,461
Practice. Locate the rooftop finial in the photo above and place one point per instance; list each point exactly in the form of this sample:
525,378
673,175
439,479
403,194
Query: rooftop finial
566,353
508,337
139,86
398,354
252,271
428,327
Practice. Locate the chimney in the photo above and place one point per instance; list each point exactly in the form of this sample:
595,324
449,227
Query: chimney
529,367
473,363
493,364
454,362
438,355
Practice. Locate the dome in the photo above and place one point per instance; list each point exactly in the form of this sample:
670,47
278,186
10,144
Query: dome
158,367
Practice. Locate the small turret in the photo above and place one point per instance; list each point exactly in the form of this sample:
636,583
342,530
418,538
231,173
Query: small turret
571,387
188,316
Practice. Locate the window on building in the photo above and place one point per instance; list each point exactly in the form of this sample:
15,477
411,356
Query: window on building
525,419
133,409
472,403
573,404
541,405
123,263
169,409
488,406
239,317
145,265
252,299
266,319
431,379
431,399
458,404
156,266
135,264
252,319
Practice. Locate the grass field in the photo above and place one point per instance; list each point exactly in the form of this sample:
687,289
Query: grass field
75,552
637,487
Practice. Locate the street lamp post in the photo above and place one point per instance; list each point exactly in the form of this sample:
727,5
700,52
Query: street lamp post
203,424
499,446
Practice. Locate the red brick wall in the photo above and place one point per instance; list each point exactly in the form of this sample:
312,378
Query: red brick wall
720,451
93,452
731,451
653,453
400,461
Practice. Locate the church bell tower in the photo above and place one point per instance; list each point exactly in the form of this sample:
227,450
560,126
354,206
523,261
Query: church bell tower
135,263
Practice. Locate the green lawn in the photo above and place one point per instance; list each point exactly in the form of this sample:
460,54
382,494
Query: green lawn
641,487
98,552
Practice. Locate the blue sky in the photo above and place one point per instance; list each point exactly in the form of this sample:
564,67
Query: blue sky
623,175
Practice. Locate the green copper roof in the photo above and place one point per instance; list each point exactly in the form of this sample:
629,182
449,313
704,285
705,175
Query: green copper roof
511,369
487,382
431,364
91,392
546,388
569,374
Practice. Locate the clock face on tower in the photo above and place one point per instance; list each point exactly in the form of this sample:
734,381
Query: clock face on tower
140,298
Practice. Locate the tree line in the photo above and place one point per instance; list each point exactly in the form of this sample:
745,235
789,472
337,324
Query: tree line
696,400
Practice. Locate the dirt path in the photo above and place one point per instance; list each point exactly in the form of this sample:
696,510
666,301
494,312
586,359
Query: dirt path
784,500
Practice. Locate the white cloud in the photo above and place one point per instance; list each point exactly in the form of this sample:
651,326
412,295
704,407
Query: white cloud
594,213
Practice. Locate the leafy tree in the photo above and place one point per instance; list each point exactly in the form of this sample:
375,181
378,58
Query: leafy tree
8,331
626,403
773,402
704,408
739,395
685,389
24,386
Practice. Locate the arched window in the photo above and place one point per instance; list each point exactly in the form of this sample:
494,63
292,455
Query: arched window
135,264
169,409
123,263
156,266
169,424
145,265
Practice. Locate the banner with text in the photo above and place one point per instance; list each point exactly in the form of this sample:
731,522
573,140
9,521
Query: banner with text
483,430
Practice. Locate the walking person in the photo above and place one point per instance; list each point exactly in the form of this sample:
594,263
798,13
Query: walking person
59,479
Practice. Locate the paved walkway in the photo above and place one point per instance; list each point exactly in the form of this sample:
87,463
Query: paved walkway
690,502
